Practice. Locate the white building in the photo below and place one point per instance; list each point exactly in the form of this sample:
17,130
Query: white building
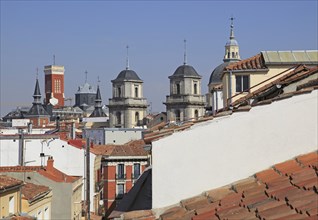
226,149
68,158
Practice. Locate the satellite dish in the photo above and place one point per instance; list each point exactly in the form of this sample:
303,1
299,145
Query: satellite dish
53,101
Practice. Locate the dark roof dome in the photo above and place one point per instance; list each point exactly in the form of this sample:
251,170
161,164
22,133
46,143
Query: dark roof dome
186,70
217,73
127,75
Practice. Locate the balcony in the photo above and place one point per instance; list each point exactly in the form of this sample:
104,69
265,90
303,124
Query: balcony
128,101
185,99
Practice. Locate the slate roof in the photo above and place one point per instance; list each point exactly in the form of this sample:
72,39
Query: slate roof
7,182
127,74
86,89
98,111
216,75
288,190
32,191
132,148
185,71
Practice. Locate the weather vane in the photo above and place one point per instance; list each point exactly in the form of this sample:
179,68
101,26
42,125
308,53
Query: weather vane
185,52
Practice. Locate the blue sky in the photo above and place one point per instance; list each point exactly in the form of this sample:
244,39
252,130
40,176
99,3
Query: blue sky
92,36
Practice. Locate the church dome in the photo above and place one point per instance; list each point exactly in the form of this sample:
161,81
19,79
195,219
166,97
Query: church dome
127,75
217,73
86,88
186,70
231,42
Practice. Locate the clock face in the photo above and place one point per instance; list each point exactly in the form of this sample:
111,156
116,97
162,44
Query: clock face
53,101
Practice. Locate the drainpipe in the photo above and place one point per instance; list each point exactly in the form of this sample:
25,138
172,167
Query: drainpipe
216,101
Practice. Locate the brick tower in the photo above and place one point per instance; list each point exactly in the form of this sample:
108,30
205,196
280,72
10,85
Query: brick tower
54,85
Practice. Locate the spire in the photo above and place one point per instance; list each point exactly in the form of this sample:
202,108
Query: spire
185,52
232,26
127,58
86,76
98,96
37,92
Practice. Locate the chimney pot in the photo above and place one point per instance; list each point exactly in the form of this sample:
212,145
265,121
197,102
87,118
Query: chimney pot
50,162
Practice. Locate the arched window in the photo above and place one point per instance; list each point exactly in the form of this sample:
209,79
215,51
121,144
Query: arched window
119,91
236,55
233,54
178,115
137,117
118,118
136,92
195,88
196,114
178,88
228,55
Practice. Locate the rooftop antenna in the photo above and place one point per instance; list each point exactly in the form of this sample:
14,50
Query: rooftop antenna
86,76
127,58
54,59
185,52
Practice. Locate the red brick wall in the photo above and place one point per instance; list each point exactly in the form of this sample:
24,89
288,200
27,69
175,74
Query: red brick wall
50,88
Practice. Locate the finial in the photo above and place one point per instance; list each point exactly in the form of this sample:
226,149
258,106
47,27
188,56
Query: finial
127,58
37,73
86,76
54,59
232,26
98,81
185,52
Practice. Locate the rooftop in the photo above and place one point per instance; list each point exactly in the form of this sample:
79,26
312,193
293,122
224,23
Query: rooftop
287,190
31,191
7,182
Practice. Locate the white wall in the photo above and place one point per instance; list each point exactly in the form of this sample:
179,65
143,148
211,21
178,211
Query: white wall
224,150
68,159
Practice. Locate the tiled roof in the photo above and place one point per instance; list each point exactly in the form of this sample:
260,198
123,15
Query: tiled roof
31,191
8,182
299,73
252,63
288,190
52,174
132,148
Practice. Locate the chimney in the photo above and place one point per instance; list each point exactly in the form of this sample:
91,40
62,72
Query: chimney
49,165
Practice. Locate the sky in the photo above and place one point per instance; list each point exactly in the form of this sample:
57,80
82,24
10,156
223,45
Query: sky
92,36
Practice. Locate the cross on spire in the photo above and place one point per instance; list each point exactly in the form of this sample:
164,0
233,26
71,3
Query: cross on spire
185,52
37,73
232,26
86,76
98,81
127,58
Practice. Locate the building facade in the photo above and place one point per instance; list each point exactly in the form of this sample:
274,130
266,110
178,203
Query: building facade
54,85
127,107
246,76
85,96
118,169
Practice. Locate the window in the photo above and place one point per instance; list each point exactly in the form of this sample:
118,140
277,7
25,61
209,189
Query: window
196,114
119,92
195,88
57,84
242,83
11,204
233,54
178,88
136,170
120,190
46,213
177,115
118,118
136,92
228,55
137,117
120,171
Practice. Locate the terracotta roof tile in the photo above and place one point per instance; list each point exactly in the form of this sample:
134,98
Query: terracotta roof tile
255,62
310,159
31,191
8,182
139,214
270,195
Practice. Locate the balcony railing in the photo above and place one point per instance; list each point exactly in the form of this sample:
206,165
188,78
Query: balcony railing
128,101
185,98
